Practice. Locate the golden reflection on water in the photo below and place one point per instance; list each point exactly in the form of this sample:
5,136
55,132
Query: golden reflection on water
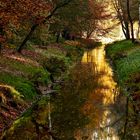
97,58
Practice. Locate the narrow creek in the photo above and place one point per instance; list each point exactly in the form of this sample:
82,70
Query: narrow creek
104,130
82,110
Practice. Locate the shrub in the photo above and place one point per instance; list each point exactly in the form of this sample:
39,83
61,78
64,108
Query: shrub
90,43
56,66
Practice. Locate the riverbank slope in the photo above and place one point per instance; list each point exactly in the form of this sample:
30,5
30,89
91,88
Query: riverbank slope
125,57
26,77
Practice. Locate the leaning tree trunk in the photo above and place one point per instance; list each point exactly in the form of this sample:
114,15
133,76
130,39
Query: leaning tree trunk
33,28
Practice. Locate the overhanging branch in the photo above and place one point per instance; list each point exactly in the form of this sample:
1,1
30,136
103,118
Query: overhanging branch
33,28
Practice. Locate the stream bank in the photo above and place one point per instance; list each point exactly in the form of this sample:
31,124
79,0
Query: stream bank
28,78
82,107
125,58
86,105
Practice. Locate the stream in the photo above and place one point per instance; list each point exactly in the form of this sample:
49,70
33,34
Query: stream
85,108
104,131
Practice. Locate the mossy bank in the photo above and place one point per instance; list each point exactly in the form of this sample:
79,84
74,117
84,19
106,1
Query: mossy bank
24,77
125,57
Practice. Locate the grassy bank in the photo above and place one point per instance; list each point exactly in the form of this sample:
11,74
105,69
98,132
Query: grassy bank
125,57
23,75
23,71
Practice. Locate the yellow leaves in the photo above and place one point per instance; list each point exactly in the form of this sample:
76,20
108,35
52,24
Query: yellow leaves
10,92
2,98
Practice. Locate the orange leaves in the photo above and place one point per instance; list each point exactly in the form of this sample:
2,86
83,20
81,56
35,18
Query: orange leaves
17,11
14,13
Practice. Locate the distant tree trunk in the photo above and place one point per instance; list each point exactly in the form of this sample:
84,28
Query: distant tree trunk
130,20
125,29
138,23
88,35
138,31
122,17
132,32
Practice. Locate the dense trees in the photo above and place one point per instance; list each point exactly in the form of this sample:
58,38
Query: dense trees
76,17
14,13
55,5
79,19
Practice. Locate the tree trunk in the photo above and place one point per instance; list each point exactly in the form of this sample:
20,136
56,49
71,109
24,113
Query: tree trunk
89,33
138,31
132,32
121,15
130,20
33,28
138,23
127,30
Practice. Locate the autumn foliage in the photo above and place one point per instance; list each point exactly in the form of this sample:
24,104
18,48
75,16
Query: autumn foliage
13,13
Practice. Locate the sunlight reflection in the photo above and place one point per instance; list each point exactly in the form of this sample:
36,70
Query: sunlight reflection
97,57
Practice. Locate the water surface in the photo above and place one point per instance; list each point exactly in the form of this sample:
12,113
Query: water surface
104,131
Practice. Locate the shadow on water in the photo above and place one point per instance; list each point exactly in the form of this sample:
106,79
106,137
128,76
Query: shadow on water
84,109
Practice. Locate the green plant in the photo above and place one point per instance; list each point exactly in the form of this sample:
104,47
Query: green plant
22,85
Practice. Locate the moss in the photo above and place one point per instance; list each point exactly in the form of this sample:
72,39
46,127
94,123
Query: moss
22,76
20,68
25,87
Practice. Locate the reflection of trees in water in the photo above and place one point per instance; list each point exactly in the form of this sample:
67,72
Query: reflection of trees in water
74,108
105,130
